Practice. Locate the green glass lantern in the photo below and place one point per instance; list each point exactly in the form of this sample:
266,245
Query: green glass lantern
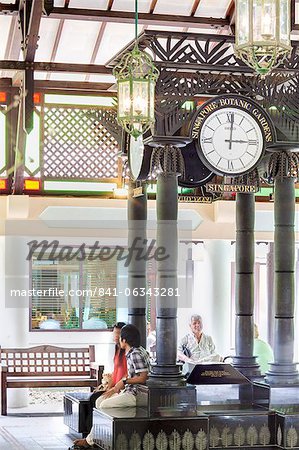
263,33
136,77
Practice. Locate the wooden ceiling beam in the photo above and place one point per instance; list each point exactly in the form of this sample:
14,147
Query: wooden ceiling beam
124,16
7,8
194,7
110,4
128,17
143,18
31,34
55,67
153,6
230,12
30,15
44,85
60,87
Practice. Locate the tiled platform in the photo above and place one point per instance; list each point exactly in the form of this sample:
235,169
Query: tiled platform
34,433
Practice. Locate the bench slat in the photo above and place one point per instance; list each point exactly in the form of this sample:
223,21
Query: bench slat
52,383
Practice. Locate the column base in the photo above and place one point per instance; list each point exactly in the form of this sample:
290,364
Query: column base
168,401
247,365
282,374
163,375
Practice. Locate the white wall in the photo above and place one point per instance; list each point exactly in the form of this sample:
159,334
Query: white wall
211,293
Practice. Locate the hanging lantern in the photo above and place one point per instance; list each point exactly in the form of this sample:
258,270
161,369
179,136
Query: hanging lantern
136,79
263,33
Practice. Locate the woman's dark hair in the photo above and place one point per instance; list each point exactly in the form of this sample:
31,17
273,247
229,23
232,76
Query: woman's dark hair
131,334
121,351
119,325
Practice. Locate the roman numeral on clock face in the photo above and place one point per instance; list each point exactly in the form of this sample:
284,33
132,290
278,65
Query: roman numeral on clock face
208,140
230,165
252,142
230,117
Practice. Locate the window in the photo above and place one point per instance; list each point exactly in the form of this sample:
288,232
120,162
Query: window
72,295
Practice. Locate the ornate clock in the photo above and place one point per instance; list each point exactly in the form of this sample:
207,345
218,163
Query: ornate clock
231,133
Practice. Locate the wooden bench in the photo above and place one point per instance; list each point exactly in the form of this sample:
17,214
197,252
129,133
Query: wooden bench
48,366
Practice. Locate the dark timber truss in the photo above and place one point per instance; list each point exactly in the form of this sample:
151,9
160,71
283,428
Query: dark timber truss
198,65
191,66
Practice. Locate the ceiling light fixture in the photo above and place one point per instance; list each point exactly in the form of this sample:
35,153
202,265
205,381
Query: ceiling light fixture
263,33
136,77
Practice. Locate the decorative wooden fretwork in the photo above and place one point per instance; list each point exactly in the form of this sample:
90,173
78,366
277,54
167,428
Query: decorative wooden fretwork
284,165
209,52
195,49
278,94
80,143
193,65
168,159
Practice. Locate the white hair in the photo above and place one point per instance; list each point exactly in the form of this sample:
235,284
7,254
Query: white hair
196,317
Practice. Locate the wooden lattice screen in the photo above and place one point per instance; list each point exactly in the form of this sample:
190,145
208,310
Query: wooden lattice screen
79,143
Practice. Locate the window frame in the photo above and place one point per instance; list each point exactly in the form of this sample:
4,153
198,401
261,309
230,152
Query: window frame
62,330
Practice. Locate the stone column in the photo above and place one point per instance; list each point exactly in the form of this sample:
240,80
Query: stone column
244,294
283,370
167,386
270,293
166,306
137,217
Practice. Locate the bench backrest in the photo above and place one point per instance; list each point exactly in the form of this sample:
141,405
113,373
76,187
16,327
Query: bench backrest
46,360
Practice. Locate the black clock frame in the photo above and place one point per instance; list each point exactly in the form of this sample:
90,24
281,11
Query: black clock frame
218,103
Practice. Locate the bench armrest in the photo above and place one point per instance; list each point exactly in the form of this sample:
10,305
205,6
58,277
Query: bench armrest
96,371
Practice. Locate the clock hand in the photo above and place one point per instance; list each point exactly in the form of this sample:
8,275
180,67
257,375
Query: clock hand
231,131
239,142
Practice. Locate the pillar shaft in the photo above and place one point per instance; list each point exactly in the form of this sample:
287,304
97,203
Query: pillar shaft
244,296
166,370
137,217
283,370
270,293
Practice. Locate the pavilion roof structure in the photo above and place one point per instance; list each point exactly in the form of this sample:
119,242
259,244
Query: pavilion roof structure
70,42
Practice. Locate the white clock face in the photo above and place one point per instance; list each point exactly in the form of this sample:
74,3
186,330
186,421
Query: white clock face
136,153
231,141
